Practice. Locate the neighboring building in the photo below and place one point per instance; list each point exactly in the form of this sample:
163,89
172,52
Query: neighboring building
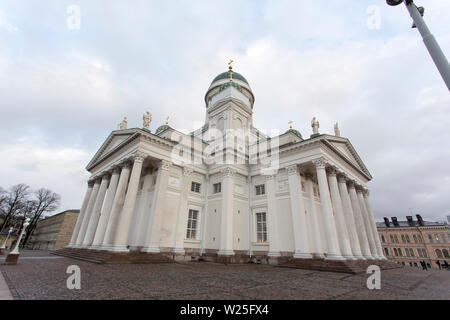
227,191
411,241
54,232
11,239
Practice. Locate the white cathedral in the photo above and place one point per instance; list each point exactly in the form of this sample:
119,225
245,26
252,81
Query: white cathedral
227,191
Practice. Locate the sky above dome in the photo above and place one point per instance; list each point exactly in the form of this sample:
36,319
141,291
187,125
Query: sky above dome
359,63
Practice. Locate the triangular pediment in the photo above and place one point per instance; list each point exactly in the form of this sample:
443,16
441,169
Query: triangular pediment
114,140
344,148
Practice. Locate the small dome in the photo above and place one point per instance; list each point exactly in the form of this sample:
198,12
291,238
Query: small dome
226,75
162,128
296,132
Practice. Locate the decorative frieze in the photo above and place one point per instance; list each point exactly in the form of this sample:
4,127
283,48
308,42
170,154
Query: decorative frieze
320,163
292,170
227,172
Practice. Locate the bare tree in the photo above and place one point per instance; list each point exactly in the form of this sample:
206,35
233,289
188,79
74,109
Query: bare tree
14,201
46,201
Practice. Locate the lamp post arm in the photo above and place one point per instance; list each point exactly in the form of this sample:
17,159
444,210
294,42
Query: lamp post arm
430,42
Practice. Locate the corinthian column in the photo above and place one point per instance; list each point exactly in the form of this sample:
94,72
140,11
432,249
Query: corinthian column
373,225
369,232
87,215
272,221
119,198
93,221
349,217
341,227
76,230
301,243
106,211
226,224
182,215
316,227
327,212
152,236
360,229
121,239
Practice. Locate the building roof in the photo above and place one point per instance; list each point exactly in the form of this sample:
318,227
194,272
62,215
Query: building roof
406,224
226,75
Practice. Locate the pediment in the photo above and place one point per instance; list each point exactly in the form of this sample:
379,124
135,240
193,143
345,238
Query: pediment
345,149
114,140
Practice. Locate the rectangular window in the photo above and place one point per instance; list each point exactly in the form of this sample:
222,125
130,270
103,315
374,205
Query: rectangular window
217,187
261,227
192,225
260,190
195,187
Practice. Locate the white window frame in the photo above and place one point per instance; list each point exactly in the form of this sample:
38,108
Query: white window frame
261,188
198,227
257,212
195,183
214,187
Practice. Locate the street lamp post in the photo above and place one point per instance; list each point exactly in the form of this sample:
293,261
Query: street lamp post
13,256
433,47
3,247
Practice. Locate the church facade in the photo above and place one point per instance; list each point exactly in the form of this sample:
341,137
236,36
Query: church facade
228,190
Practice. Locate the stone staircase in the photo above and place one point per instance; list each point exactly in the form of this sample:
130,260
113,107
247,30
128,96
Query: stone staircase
108,257
345,266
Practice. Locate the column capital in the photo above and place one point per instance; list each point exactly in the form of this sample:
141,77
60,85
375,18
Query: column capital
105,174
116,169
227,172
359,188
320,163
366,193
165,165
351,184
139,156
342,177
125,163
187,172
332,171
292,170
90,183
270,177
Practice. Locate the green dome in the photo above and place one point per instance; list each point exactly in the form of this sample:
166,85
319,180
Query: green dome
162,128
226,75
296,132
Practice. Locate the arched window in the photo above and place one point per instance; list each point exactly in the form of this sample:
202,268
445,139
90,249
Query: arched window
436,236
383,239
400,252
415,238
411,251
419,251
392,238
439,253
395,252
425,253
403,238
407,239
445,253
386,252
396,238
430,237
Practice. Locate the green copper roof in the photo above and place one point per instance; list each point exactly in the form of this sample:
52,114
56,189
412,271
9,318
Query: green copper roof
228,84
296,132
226,75
162,128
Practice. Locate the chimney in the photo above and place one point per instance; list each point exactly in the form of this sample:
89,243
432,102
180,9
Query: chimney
394,221
386,222
410,220
419,219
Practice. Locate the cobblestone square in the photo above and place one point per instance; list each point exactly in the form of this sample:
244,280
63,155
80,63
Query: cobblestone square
40,275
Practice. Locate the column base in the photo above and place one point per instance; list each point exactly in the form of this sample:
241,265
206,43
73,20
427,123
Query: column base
179,250
151,250
120,248
319,255
334,257
360,257
349,257
367,257
302,255
225,253
274,254
11,259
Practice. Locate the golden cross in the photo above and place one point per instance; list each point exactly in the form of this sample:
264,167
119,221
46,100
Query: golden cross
167,120
230,65
290,124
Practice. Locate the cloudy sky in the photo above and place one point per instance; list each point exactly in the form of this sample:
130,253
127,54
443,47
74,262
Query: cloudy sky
62,90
